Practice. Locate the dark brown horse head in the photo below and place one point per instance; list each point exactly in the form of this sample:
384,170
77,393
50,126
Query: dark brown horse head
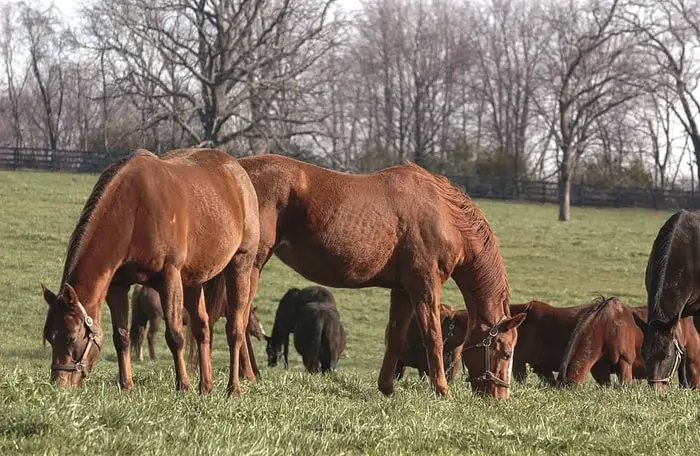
661,350
255,328
488,354
75,339
273,349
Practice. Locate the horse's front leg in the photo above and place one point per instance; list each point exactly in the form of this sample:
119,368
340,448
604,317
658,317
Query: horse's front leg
426,300
118,302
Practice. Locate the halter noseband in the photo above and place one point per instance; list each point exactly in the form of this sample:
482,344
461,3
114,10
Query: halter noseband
676,363
488,376
92,340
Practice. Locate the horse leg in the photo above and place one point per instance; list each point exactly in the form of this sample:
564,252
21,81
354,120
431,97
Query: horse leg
153,327
400,370
456,361
625,376
199,325
427,308
238,295
400,314
137,331
172,299
118,302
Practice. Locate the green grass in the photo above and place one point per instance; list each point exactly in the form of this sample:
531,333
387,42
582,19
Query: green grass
293,412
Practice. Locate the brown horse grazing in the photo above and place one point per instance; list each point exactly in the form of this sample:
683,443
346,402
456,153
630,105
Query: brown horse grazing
455,325
606,341
172,223
542,338
673,293
147,310
401,228
688,336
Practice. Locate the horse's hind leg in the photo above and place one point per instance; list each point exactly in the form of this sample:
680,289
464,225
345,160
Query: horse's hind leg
199,325
399,316
427,308
118,302
172,299
238,294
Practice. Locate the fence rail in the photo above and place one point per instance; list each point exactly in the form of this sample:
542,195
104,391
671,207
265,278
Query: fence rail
500,189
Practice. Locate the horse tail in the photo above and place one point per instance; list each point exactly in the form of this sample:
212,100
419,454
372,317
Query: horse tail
215,302
585,319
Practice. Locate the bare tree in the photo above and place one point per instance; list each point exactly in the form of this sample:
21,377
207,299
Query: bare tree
212,57
672,32
592,68
511,38
16,73
48,42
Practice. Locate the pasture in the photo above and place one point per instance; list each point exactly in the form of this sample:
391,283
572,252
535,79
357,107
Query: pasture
292,412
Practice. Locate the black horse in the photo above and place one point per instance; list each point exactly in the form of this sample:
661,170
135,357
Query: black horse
319,336
673,292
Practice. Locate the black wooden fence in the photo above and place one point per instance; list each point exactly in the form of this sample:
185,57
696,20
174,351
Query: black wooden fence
502,189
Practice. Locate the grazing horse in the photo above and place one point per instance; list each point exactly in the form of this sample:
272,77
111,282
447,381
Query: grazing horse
673,293
285,318
454,332
319,337
605,341
542,338
688,334
401,228
172,223
147,310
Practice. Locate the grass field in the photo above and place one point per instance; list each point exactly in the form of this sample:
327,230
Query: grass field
293,412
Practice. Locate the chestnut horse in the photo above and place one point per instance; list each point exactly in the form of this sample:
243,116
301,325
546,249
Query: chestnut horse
542,338
401,228
146,310
454,332
605,341
673,293
172,223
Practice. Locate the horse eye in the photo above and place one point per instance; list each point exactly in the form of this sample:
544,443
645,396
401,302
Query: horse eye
507,355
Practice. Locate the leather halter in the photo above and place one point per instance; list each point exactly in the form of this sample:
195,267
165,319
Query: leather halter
676,363
92,340
488,376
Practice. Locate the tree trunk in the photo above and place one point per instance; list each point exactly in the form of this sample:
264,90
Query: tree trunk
564,193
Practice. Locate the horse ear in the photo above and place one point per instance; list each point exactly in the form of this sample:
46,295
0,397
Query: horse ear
49,295
70,296
640,322
513,322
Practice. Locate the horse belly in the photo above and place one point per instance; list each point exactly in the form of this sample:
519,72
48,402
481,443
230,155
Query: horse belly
339,266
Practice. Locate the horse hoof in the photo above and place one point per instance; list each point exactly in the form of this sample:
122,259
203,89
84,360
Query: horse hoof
205,388
233,391
386,390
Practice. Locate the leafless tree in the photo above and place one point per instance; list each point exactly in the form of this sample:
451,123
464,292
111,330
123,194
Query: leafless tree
211,58
593,67
672,32
16,71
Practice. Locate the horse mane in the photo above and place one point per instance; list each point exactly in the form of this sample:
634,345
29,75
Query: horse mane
658,262
585,318
75,243
487,264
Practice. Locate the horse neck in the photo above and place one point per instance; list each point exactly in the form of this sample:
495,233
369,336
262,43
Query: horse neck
485,291
90,279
